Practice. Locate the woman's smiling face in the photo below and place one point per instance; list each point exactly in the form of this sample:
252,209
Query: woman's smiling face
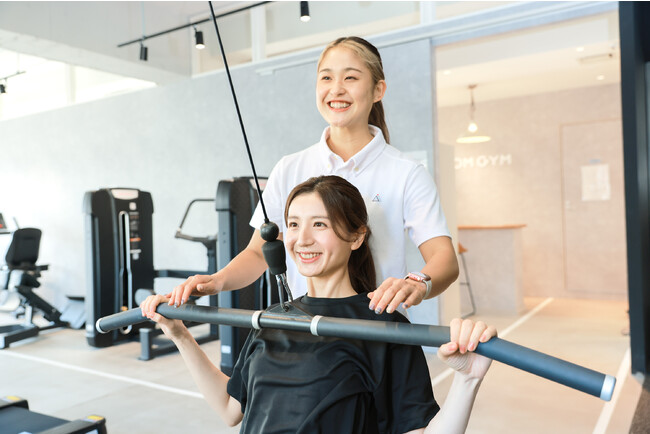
345,91
311,241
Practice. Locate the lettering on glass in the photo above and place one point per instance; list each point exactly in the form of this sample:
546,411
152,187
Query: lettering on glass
483,161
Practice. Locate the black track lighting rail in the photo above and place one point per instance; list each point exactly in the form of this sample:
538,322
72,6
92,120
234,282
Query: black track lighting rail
185,26
12,75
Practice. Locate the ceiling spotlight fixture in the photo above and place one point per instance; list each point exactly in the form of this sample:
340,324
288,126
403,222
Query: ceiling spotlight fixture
304,12
144,51
4,80
198,35
472,135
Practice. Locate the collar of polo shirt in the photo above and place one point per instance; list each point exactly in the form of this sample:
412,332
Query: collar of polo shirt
358,161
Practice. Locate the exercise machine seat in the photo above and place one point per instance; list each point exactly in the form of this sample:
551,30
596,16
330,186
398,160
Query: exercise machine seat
23,250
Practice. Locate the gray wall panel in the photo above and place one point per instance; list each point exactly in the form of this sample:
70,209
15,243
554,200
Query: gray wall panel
177,141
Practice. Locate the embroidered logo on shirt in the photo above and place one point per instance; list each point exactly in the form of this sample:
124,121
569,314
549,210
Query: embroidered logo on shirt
376,198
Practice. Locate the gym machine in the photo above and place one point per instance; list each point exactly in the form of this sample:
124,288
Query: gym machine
235,202
3,225
148,345
16,417
119,245
19,279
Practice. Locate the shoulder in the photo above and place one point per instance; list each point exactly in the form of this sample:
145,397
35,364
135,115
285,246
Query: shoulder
392,155
297,160
360,306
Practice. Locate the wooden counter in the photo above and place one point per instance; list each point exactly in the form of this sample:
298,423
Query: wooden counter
495,267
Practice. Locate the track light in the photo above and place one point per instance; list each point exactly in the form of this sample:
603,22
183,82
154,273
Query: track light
198,35
304,12
3,88
144,51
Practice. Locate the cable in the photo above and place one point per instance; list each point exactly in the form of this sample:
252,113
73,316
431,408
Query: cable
241,122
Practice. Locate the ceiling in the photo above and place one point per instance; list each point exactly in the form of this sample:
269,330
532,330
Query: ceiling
577,53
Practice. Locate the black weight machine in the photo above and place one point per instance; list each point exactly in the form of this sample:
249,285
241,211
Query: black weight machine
151,347
120,271
235,202
16,417
20,278
119,244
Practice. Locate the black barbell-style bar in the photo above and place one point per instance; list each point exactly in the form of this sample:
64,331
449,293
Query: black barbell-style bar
543,365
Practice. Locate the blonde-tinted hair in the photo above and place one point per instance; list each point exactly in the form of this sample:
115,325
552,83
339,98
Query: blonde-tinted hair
369,54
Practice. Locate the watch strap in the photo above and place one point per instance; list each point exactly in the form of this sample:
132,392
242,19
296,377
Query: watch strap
421,277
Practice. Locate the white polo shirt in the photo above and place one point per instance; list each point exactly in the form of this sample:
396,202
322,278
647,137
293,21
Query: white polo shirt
399,193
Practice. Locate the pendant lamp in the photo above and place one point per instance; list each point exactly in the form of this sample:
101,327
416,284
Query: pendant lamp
472,134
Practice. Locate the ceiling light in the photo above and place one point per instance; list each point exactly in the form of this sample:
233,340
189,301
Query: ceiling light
304,12
471,135
580,49
5,80
144,51
600,77
446,72
596,58
198,35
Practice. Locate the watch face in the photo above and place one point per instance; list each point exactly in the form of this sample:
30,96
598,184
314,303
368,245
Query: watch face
421,277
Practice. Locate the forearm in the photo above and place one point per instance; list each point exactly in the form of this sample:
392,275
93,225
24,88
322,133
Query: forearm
453,416
211,382
243,270
441,264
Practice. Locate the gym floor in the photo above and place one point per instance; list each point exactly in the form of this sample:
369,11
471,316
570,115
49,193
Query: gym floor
60,375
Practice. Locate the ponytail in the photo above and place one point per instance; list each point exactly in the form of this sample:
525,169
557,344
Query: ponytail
378,119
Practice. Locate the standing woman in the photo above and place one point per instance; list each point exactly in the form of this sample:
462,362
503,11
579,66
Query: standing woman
399,193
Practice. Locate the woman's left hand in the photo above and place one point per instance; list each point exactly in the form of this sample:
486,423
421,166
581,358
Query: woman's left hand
171,328
394,291
458,354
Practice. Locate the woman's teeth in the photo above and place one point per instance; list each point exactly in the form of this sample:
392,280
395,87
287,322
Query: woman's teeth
339,105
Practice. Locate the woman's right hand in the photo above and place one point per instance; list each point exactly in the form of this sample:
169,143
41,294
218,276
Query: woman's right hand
198,285
172,328
464,337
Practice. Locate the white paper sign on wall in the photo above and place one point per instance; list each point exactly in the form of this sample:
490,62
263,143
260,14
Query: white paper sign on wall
595,182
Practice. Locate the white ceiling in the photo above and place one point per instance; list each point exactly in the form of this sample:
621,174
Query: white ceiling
536,60
573,54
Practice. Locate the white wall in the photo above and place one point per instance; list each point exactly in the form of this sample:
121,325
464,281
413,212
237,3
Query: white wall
531,173
177,142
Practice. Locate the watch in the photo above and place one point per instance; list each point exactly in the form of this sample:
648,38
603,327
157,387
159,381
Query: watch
420,277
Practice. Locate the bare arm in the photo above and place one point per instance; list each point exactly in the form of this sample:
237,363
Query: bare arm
440,264
211,381
244,269
470,368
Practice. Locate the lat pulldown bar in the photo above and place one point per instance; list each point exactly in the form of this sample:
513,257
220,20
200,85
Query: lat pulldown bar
543,365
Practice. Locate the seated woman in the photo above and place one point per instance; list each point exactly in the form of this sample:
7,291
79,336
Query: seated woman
292,382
